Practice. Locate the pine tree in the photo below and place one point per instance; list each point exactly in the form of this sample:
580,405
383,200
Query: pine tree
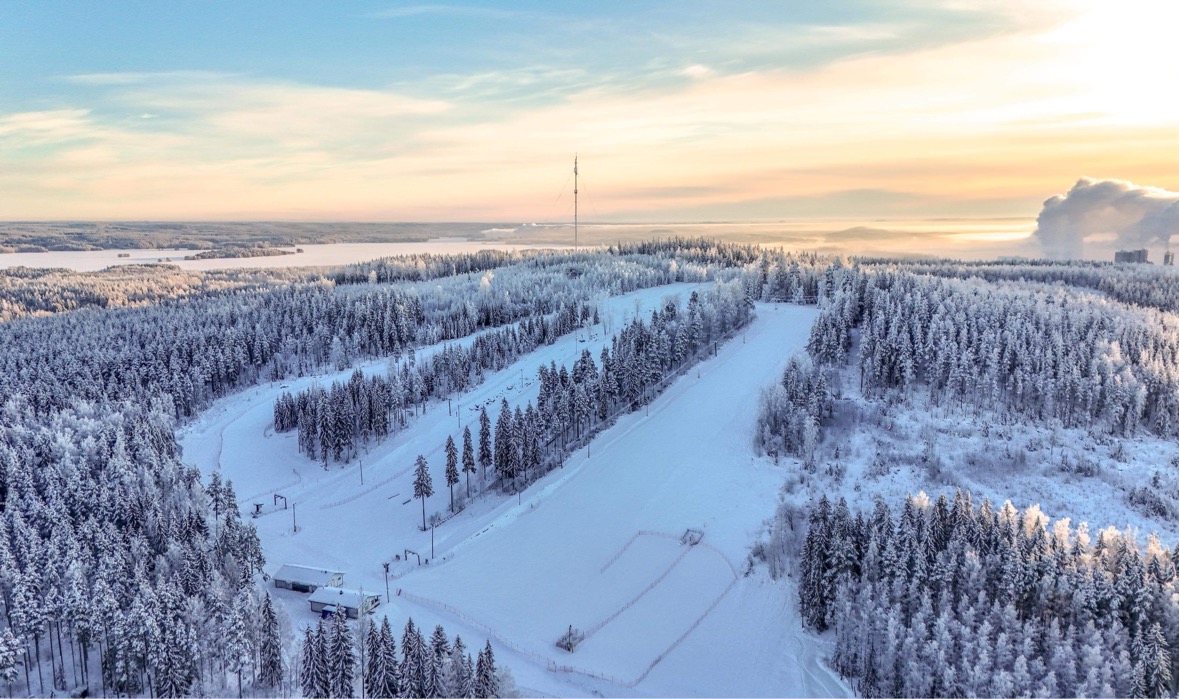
270,672
468,458
452,474
423,486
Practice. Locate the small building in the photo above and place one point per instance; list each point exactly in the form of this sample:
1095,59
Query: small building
325,600
1168,258
1138,256
306,578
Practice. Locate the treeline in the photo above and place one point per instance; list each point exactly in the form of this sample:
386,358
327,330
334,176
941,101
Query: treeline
1038,352
425,266
26,291
113,553
954,599
333,422
332,661
574,405
1141,285
571,405
117,568
792,411
197,350
40,236
234,252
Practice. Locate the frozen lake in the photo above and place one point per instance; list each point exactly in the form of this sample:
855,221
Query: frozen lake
312,256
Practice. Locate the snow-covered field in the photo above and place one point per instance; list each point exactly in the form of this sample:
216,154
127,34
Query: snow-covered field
915,446
312,255
595,544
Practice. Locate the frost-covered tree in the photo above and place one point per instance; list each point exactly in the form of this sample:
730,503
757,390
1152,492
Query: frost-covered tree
270,650
423,485
468,458
452,473
311,666
486,678
389,682
484,441
341,657
239,647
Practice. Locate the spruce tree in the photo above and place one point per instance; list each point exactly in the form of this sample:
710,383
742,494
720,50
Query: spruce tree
238,648
486,681
270,672
452,474
503,443
484,442
307,666
374,668
412,672
389,684
456,684
340,656
423,486
439,657
10,651
468,458
321,670
1155,660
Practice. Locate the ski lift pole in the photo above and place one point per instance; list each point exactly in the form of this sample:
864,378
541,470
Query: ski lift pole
386,564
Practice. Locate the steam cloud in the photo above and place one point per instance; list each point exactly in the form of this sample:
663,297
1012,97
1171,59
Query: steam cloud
1135,216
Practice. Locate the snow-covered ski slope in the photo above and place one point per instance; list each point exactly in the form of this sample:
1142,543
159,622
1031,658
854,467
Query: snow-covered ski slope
595,544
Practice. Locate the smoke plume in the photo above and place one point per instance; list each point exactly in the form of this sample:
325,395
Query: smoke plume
1131,215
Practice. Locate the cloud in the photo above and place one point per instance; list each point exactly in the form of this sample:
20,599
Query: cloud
139,78
1125,213
51,126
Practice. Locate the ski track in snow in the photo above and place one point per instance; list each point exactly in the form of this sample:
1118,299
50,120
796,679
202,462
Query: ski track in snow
581,545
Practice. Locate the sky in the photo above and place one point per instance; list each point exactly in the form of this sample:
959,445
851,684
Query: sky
681,110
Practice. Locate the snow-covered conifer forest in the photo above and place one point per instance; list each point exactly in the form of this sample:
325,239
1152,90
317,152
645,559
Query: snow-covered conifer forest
664,468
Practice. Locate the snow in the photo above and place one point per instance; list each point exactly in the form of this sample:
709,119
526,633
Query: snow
992,457
313,255
595,544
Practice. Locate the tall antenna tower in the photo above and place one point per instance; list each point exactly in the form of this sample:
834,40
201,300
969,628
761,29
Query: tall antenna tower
575,201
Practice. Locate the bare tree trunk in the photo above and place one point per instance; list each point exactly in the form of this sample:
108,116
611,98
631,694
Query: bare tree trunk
40,675
73,657
102,660
53,661
28,685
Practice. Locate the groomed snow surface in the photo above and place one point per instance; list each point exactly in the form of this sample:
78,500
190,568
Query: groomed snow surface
595,544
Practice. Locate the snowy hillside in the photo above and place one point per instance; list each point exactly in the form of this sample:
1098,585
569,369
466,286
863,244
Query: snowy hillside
595,545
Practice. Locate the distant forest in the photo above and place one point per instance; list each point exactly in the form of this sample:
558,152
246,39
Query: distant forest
58,236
